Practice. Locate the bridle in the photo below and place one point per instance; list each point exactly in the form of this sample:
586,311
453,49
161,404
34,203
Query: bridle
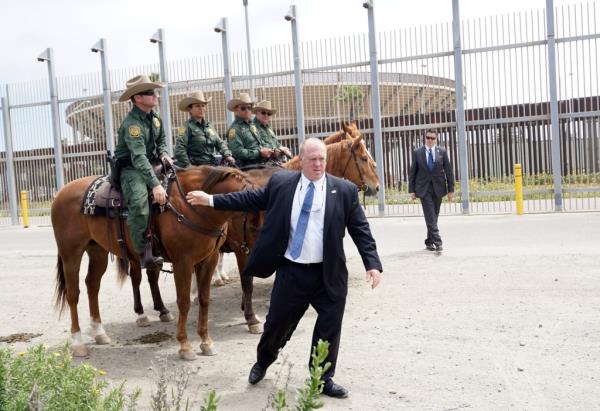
363,186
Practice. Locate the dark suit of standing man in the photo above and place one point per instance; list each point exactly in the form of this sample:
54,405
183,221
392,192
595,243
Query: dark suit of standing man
430,179
311,269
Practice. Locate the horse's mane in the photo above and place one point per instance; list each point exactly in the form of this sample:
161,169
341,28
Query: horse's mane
219,174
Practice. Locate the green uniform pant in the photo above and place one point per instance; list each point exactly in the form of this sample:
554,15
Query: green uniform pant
136,193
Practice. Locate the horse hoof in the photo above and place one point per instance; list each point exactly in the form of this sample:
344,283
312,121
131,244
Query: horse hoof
166,317
255,328
187,355
79,351
143,321
218,282
224,276
208,349
102,339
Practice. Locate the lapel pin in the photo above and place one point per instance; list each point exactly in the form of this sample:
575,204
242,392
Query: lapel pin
333,191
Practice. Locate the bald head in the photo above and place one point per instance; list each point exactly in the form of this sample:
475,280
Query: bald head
313,158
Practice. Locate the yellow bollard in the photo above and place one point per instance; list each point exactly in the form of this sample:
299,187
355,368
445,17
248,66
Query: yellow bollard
24,209
519,188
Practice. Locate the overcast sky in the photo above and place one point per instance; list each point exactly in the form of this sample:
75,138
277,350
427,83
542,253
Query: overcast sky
70,27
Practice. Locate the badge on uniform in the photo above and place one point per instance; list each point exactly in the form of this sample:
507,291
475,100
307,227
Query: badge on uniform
134,131
231,134
253,129
156,122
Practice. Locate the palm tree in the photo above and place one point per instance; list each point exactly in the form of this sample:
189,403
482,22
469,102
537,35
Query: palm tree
353,95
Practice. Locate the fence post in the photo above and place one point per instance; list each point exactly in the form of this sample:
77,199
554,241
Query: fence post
222,28
48,57
556,161
375,106
165,110
460,109
249,52
100,47
292,16
10,165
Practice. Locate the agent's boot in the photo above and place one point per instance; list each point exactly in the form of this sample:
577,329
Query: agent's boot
149,260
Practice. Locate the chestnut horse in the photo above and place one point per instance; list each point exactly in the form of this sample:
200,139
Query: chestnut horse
190,237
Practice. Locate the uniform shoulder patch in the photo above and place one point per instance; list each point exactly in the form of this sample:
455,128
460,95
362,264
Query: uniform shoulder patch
135,131
181,131
231,134
156,122
211,132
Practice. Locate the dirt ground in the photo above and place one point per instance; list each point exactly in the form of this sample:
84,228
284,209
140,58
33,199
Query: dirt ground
505,318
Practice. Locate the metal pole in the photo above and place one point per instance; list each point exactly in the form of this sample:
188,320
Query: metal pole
460,109
48,57
249,52
556,161
222,28
375,106
292,16
10,165
165,111
100,47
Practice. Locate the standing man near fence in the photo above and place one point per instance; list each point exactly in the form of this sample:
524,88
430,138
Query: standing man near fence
431,178
307,214
141,144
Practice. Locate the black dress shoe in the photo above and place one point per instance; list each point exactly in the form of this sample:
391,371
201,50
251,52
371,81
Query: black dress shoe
439,248
430,247
257,373
151,262
334,390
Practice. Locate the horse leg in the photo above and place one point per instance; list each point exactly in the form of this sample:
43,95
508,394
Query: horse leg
69,263
183,278
254,324
219,277
98,261
135,273
153,277
203,276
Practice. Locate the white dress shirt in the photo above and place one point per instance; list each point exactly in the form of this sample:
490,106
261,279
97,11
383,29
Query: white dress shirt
312,247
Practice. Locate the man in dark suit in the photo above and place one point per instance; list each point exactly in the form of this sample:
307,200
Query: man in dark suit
307,215
430,179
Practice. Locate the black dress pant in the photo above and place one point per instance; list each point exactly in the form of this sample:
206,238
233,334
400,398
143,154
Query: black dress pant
296,287
431,204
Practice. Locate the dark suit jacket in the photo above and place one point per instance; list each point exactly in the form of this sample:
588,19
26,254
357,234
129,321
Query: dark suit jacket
420,177
342,210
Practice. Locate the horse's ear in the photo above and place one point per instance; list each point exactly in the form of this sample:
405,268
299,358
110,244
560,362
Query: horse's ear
356,141
346,127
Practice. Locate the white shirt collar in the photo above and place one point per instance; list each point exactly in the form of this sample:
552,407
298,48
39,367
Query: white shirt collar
317,183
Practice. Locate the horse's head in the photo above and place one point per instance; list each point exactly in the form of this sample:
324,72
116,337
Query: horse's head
351,160
348,131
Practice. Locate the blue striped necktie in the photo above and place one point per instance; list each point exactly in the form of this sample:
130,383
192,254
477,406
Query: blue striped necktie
429,159
302,223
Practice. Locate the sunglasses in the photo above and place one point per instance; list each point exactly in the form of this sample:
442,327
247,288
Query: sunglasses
264,113
431,138
245,108
147,93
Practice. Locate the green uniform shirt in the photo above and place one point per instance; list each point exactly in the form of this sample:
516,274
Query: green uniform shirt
266,134
244,142
197,142
141,138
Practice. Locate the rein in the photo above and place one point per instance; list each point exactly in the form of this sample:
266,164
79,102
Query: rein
363,186
181,218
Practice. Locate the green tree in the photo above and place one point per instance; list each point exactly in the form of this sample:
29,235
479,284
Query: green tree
353,95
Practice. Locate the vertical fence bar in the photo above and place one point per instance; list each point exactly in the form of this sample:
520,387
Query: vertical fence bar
375,106
460,109
555,134
10,166
222,28
100,47
165,111
48,57
249,52
292,16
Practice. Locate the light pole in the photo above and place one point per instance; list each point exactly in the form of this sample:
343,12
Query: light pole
48,57
100,47
165,112
249,53
221,27
292,17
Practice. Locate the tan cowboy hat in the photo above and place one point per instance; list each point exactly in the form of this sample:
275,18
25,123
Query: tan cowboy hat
137,85
194,98
243,99
264,105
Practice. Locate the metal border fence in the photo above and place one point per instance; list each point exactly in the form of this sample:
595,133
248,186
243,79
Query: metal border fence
519,88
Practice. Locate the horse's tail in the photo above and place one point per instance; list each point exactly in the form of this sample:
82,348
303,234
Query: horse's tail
122,269
61,297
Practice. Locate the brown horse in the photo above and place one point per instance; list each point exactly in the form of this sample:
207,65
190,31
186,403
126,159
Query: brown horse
190,237
347,158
